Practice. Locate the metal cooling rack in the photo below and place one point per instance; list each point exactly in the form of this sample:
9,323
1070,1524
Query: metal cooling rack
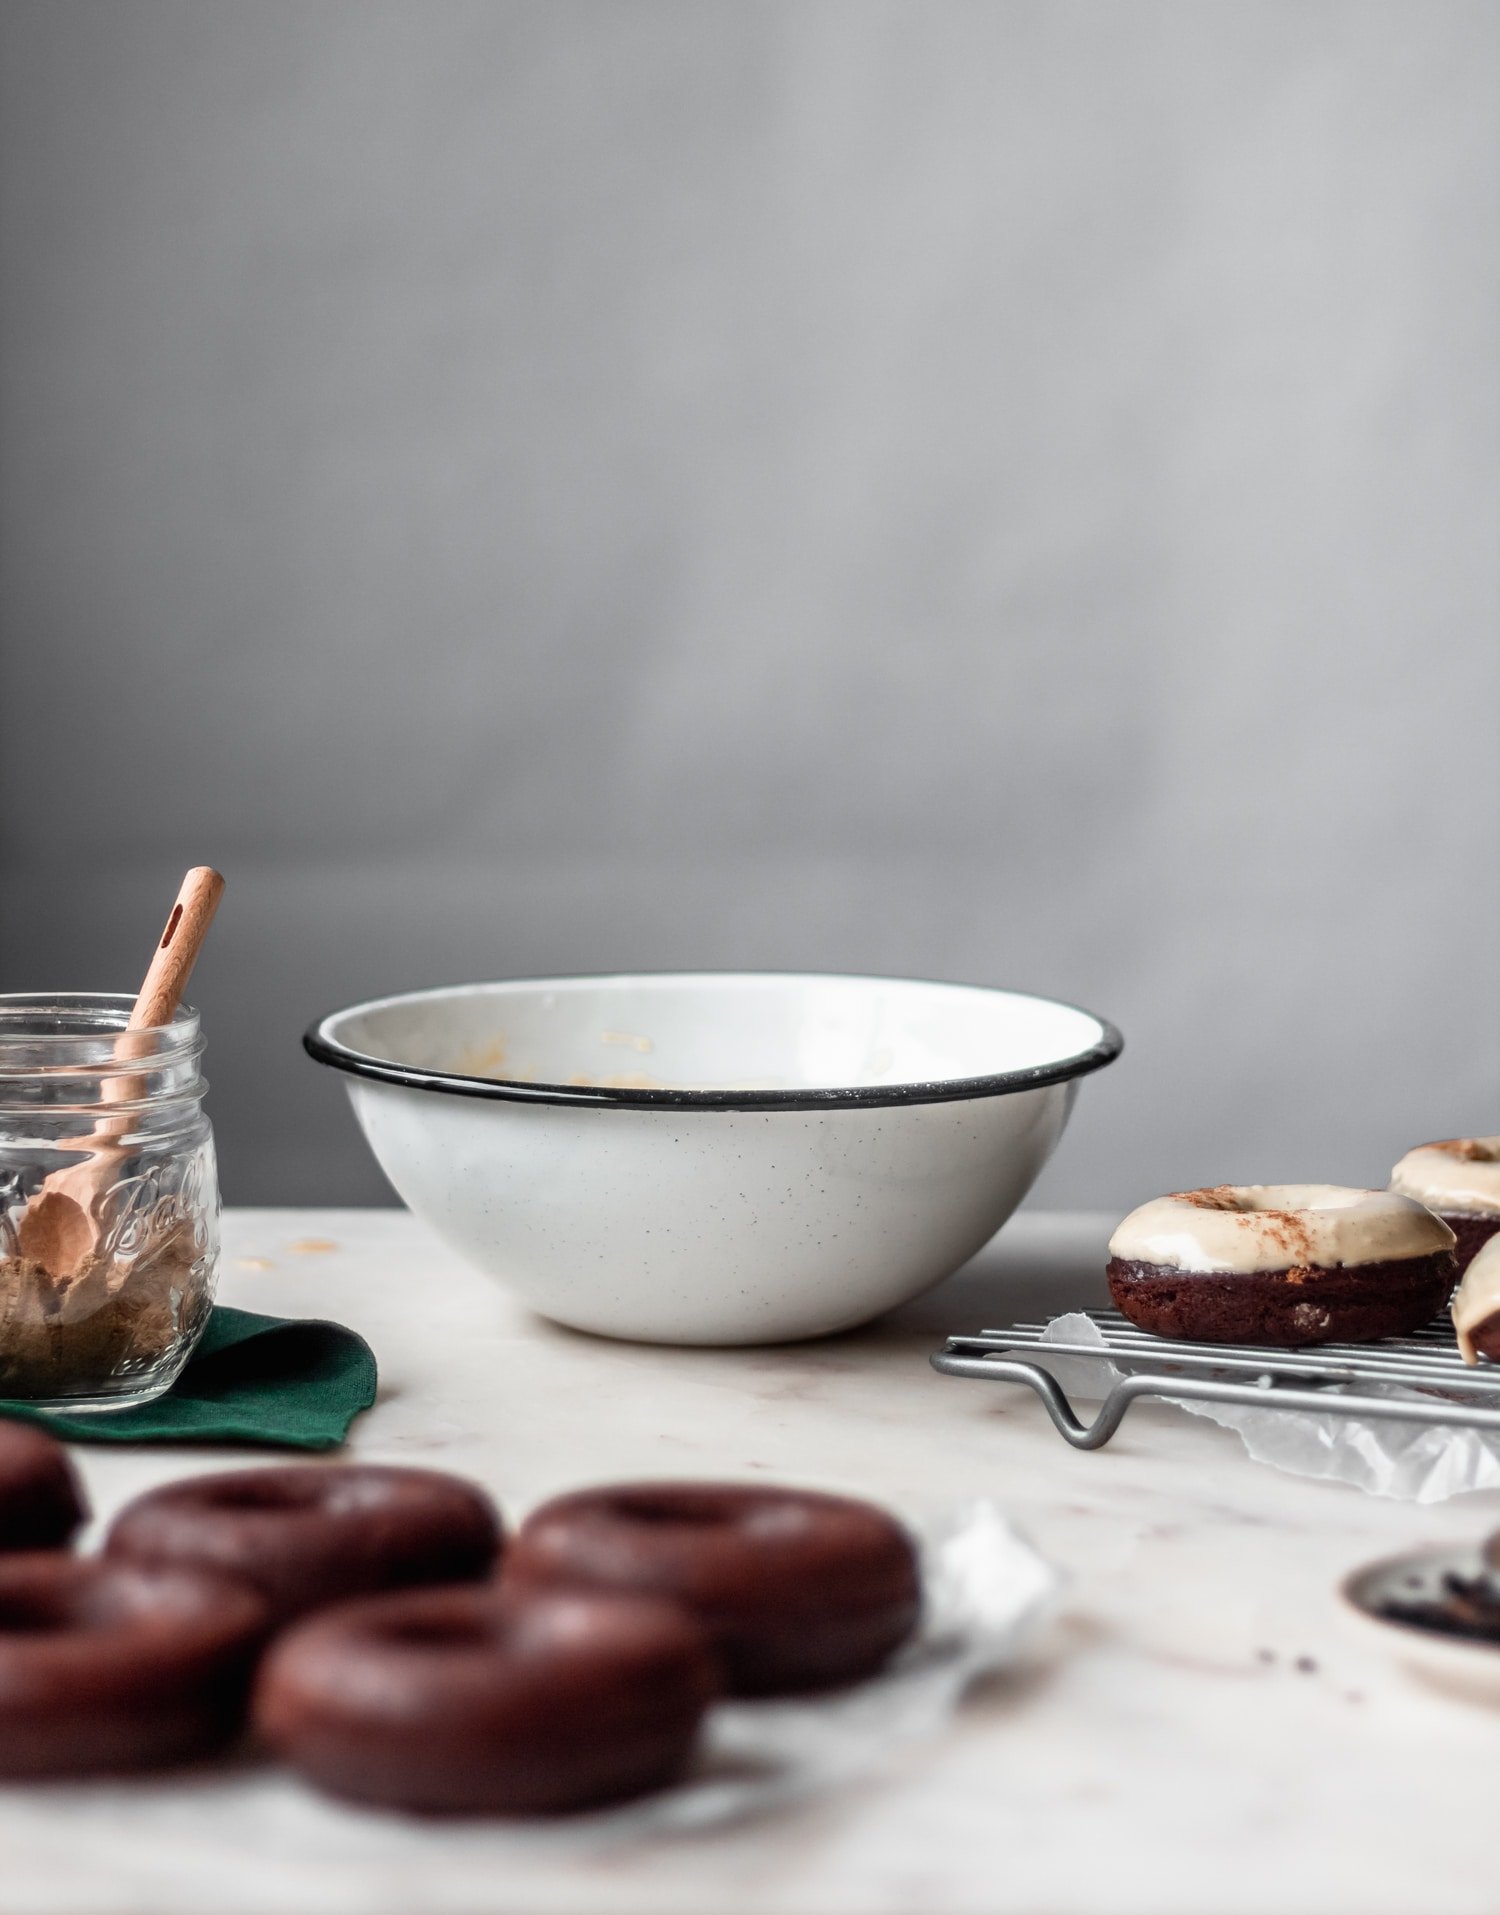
1332,1378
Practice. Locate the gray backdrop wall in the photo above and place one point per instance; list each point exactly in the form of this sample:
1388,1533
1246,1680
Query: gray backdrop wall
1004,491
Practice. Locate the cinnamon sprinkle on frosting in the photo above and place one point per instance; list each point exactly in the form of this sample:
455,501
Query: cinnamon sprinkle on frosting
1456,1176
1292,1228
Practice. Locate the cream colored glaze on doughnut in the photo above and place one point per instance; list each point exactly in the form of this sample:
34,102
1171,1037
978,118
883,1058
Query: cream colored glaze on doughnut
1460,1175
1477,1297
1240,1228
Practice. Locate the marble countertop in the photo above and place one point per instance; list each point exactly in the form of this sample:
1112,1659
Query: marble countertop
1198,1735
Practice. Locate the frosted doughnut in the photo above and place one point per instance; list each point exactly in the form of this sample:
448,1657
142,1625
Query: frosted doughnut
1458,1179
1476,1306
1281,1264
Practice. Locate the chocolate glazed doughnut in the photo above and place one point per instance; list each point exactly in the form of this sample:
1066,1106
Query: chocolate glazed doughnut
797,1590
41,1499
488,1701
106,1667
313,1535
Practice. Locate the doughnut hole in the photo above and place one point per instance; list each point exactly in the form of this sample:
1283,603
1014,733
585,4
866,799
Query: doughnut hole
688,1510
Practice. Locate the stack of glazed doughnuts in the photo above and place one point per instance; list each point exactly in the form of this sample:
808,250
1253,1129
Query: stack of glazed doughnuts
381,1638
1286,1265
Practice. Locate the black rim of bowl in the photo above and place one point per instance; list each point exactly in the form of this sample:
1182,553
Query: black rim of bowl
328,1050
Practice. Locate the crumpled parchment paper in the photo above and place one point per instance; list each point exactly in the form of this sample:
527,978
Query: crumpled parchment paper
1406,1461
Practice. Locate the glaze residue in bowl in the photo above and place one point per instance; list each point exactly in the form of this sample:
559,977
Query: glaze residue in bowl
765,1038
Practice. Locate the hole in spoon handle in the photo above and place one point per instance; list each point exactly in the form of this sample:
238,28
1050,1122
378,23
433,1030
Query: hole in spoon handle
181,940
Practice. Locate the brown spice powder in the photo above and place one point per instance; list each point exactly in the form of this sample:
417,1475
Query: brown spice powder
68,1336
1214,1197
1471,1149
1284,1228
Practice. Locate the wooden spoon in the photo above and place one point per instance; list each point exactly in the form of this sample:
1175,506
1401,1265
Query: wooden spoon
59,1228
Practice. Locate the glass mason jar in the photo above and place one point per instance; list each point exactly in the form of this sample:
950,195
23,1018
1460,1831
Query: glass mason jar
109,1202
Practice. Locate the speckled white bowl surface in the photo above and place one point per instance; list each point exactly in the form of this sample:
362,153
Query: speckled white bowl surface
714,1158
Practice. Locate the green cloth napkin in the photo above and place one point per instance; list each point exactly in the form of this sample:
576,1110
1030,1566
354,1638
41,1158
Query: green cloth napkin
283,1382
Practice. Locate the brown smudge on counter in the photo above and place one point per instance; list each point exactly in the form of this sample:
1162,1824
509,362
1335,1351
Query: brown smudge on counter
253,1263
312,1246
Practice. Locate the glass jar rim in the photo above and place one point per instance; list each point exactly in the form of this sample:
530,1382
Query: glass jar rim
73,1021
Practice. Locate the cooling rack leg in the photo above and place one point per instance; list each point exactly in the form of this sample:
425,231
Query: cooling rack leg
1083,1436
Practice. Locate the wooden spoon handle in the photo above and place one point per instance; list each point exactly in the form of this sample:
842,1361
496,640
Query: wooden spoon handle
186,928
60,1227
164,983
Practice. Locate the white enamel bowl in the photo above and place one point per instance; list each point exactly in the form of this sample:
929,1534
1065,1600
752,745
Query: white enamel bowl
720,1158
